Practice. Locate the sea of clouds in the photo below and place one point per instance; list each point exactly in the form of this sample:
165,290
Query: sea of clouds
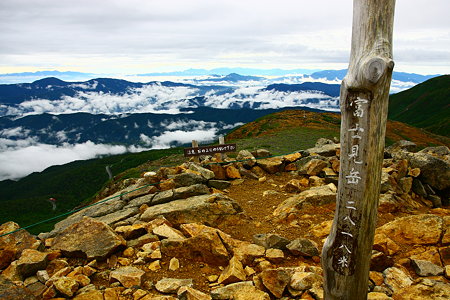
22,154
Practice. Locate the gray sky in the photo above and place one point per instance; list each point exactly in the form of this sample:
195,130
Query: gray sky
140,36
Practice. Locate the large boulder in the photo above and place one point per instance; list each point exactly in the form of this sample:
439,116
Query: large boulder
100,209
426,229
89,238
315,196
208,209
271,165
10,291
12,244
434,165
128,276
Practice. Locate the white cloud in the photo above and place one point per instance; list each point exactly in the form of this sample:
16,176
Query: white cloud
182,137
138,36
17,132
150,98
20,159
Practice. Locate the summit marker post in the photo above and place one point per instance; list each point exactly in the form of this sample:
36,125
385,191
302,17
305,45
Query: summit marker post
364,103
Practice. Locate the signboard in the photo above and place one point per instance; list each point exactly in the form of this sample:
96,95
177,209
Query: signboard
208,150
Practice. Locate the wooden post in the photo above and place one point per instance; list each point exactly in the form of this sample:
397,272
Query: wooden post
222,142
364,102
195,145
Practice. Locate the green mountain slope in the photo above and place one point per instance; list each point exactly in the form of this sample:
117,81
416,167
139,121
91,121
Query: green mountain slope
427,105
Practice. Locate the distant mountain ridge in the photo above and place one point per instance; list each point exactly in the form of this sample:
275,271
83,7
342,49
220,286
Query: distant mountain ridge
52,95
328,89
400,76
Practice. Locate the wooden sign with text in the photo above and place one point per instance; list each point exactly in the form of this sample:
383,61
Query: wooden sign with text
208,150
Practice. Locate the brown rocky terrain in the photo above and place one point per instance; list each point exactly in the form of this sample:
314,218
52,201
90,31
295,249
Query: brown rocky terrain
250,228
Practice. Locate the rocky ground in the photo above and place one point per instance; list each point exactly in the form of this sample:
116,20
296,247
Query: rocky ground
251,229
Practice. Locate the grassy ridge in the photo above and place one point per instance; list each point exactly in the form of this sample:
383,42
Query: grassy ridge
25,201
427,105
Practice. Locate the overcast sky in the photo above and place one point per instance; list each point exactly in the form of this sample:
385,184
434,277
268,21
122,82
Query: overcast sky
141,36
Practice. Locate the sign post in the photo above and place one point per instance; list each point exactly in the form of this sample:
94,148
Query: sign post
364,102
208,150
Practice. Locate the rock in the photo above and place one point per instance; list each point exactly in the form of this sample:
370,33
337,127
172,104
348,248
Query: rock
322,142
296,185
262,153
207,174
315,196
117,216
271,165
98,210
380,261
219,171
323,229
418,188
12,245
131,231
426,268
396,279
247,253
66,286
146,190
313,167
90,295
436,200
190,191
427,229
128,276
234,272
188,293
275,280
11,272
247,158
232,172
414,172
163,197
402,145
154,265
172,285
378,296
203,209
247,173
188,179
239,288
30,262
274,255
290,158
270,241
144,239
99,240
302,281
434,170
219,184
384,244
42,275
10,291
405,184
303,247
206,247
324,150
444,254
447,271
167,232
426,289
174,264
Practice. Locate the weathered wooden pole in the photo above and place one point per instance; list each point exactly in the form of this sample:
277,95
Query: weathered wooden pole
195,145
364,103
